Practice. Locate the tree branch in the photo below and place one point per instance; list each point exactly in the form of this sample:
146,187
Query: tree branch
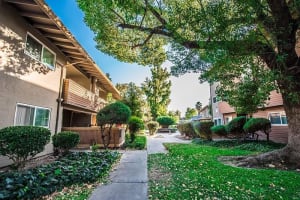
145,42
118,15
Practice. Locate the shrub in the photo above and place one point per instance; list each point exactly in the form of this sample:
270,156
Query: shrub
186,128
203,129
114,113
65,140
165,121
219,130
258,124
75,168
152,126
139,142
20,143
135,124
235,126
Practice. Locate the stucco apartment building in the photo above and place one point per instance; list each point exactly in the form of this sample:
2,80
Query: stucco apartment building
46,78
223,113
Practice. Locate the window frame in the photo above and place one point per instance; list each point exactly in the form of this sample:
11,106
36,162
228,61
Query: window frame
281,113
34,116
218,120
42,53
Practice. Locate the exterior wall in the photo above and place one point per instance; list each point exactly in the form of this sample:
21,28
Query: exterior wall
23,79
216,114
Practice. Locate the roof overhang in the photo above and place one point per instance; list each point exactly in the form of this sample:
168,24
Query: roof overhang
43,19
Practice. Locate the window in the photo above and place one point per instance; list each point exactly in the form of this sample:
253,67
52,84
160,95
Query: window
32,116
278,118
39,52
217,121
216,99
228,119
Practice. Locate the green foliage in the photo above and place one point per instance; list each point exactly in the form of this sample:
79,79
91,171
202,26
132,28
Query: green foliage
75,168
198,106
258,124
187,129
135,124
235,126
158,90
139,142
219,130
20,143
132,96
191,171
114,113
165,120
65,140
152,126
203,129
190,112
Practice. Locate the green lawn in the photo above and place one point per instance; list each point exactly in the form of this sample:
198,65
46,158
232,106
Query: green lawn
192,171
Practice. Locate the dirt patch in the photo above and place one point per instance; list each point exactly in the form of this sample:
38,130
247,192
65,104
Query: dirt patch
238,161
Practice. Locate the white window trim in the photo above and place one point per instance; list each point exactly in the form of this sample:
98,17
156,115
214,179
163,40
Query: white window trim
35,107
43,46
218,120
280,112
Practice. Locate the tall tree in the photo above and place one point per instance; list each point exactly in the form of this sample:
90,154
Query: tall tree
158,90
190,112
225,34
198,107
133,97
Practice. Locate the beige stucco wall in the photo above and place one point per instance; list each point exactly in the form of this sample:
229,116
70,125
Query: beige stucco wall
22,79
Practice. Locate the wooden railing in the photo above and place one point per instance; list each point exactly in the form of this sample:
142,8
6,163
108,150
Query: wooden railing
76,95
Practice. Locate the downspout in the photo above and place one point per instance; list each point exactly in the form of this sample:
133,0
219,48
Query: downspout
59,99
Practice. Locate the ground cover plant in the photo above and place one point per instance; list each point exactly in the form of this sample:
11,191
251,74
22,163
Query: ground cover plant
75,168
139,142
192,171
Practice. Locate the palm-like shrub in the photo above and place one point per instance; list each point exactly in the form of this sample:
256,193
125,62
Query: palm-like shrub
165,121
21,143
152,126
135,124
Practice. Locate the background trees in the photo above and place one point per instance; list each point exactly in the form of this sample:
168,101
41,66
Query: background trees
190,112
198,107
157,90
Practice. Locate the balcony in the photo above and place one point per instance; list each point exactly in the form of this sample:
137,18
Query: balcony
76,95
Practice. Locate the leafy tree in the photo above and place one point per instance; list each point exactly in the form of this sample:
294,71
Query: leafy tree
175,115
190,112
198,106
224,34
133,97
157,90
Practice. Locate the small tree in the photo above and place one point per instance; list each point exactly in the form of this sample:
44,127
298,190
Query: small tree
258,124
114,113
65,140
20,143
135,124
152,126
165,121
235,126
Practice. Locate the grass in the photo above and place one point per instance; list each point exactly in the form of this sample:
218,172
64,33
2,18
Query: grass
192,171
139,142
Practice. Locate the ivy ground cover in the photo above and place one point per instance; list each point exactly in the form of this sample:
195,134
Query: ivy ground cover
192,171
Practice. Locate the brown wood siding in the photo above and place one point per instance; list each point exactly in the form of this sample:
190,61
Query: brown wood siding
278,134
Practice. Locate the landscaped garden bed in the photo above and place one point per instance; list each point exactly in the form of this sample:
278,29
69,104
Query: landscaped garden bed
139,142
192,171
73,170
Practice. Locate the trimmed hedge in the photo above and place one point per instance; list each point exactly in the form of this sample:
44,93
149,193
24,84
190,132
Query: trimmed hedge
258,124
65,140
139,142
187,129
114,113
165,120
135,124
235,126
20,143
204,131
76,168
219,130
152,126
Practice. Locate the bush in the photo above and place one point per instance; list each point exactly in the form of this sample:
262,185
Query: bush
219,130
235,126
139,142
76,168
258,124
114,113
186,128
165,121
135,124
20,143
203,129
65,140
152,126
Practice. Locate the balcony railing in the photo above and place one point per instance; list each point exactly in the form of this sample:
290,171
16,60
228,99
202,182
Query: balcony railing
76,95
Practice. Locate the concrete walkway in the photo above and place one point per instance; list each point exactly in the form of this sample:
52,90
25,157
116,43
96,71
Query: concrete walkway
129,180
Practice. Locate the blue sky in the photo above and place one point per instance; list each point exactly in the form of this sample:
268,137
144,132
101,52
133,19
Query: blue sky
185,90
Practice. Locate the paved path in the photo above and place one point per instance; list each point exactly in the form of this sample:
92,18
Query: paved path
129,181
